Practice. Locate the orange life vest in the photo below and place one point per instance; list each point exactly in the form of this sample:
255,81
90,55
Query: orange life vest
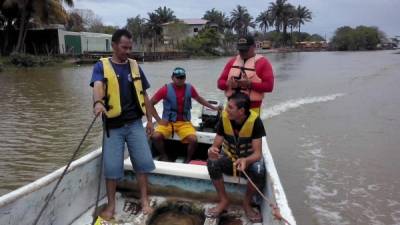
239,68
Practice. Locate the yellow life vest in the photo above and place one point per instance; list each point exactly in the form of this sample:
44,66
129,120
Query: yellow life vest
236,147
242,144
113,92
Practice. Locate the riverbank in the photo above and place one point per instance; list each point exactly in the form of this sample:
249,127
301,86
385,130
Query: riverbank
27,60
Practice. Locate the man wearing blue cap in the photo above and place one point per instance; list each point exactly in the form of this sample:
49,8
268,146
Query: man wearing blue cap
177,103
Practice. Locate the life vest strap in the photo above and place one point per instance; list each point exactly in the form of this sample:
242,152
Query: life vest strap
244,68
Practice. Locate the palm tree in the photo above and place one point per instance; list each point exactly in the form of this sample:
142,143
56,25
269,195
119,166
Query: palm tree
136,26
276,10
303,15
160,16
265,20
217,17
241,20
39,10
282,14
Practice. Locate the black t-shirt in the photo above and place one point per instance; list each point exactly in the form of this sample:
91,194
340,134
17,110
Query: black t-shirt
130,110
258,129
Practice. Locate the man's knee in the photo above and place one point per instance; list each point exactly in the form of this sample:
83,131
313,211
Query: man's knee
157,136
191,139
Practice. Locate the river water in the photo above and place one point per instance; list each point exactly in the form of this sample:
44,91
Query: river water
332,122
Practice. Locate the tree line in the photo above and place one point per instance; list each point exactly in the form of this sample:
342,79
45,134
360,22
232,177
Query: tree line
23,14
280,22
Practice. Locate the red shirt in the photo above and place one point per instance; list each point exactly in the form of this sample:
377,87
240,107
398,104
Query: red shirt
180,95
263,71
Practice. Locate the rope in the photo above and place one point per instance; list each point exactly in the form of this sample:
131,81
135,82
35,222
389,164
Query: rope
274,207
64,172
100,174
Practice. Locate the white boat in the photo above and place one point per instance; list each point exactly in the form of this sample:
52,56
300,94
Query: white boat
172,184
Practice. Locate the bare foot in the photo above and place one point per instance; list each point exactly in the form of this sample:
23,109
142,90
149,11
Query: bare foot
108,213
146,208
217,210
253,215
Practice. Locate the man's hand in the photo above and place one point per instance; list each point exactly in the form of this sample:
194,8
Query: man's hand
149,129
220,108
232,83
244,83
162,122
99,108
213,153
241,164
276,213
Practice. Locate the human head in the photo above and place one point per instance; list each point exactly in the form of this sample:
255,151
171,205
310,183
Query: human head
122,44
178,76
246,46
238,105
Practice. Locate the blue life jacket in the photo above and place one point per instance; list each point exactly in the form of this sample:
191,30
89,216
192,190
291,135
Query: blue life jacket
170,111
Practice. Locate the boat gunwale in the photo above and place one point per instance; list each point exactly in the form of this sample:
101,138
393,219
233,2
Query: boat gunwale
47,179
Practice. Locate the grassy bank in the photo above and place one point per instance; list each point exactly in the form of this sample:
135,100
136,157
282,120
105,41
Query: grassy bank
27,60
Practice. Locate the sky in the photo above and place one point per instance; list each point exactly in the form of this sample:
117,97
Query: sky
327,15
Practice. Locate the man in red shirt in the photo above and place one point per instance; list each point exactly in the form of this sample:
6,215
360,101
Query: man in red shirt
247,72
177,103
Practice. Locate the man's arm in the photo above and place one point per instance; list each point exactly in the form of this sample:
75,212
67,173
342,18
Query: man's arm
223,78
98,95
204,102
265,73
160,94
154,102
213,151
150,110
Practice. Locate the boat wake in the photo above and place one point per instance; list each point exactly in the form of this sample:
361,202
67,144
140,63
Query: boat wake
295,103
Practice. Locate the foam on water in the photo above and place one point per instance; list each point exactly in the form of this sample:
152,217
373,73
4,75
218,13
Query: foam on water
295,103
336,197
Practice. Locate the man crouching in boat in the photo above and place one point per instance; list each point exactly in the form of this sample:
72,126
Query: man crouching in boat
240,133
119,94
177,103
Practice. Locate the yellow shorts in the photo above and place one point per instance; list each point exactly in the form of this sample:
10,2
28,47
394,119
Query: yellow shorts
182,128
256,110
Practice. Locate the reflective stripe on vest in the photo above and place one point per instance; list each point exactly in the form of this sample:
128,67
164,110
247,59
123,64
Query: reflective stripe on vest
239,146
113,91
170,104
249,68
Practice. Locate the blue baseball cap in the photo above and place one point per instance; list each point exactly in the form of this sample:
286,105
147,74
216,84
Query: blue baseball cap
179,72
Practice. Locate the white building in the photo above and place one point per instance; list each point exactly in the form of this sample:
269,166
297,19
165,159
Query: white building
193,26
80,42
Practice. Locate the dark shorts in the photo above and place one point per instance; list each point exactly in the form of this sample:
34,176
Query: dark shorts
223,165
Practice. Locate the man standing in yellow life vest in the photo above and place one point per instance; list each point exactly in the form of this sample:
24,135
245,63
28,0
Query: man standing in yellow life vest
247,72
240,133
119,94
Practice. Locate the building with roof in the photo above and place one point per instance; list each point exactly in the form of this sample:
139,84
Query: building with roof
56,40
183,28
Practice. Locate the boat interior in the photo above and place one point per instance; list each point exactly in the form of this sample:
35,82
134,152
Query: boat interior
180,194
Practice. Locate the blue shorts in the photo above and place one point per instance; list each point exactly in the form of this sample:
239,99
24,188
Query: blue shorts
134,136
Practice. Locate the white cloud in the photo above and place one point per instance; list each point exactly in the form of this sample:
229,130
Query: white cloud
327,14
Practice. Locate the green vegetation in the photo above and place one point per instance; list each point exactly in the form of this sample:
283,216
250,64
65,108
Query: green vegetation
28,60
280,22
205,43
17,14
360,38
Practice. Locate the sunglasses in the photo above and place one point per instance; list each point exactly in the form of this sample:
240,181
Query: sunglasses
181,77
